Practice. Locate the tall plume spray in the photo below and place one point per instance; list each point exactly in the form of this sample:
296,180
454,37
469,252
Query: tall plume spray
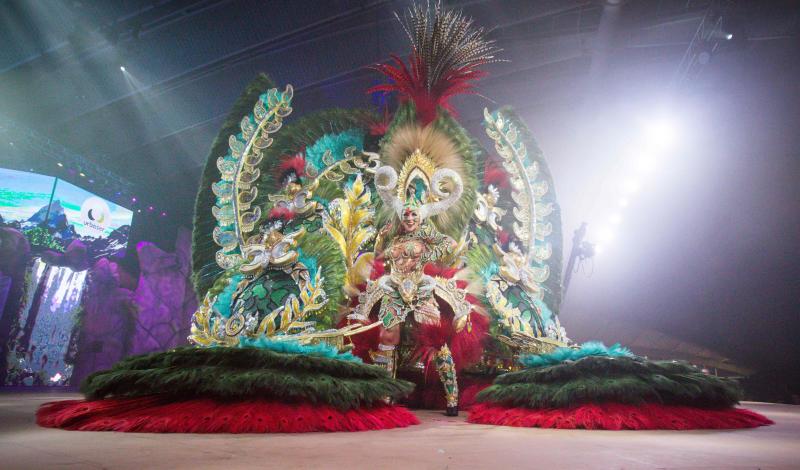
447,51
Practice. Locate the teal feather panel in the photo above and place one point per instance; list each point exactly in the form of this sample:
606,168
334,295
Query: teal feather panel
336,144
590,348
293,347
225,298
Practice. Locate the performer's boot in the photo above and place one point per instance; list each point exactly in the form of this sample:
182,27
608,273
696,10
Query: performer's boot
447,374
385,357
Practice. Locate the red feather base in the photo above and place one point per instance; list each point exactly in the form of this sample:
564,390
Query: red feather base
616,417
154,414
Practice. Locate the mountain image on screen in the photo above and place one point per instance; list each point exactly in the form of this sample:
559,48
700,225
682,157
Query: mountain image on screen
56,219
64,230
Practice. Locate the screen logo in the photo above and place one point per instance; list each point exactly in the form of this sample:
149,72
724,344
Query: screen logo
96,214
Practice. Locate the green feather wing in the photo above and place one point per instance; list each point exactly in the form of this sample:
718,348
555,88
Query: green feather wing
549,235
532,218
204,267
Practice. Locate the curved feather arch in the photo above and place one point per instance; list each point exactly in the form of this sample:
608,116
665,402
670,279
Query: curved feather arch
204,266
523,222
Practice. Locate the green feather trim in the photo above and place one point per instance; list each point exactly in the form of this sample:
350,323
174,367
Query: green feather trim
406,114
336,144
327,191
233,374
482,261
598,379
326,254
249,358
222,383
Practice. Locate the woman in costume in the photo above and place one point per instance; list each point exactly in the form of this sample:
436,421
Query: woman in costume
406,290
297,302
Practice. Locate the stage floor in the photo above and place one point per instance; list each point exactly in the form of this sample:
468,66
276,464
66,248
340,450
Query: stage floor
438,443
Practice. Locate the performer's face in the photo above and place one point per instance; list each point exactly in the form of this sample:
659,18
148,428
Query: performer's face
410,220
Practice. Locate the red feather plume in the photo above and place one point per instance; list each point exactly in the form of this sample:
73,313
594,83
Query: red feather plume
295,164
447,53
279,212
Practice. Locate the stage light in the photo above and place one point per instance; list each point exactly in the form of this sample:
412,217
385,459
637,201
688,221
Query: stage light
91,180
133,199
605,235
729,36
631,186
60,164
83,175
163,214
139,211
122,67
615,218
646,163
150,208
660,133
623,202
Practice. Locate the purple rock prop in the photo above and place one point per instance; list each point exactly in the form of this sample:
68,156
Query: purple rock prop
75,257
14,255
5,287
165,296
108,321
14,251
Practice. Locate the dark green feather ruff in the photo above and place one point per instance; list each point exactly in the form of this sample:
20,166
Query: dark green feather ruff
246,373
625,380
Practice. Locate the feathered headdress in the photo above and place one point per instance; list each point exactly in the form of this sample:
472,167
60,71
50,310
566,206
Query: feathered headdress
423,156
446,51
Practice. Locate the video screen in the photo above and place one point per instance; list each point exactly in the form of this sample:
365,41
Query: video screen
101,224
53,213
24,197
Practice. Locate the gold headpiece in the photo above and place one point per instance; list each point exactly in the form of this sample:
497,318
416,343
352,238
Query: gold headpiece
417,166
425,155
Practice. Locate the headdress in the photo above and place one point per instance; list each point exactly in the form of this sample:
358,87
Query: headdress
425,179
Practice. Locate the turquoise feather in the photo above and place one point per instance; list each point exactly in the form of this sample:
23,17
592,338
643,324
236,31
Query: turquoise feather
225,298
336,143
293,347
590,348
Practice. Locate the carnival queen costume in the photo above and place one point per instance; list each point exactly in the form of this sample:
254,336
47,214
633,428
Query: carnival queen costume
351,263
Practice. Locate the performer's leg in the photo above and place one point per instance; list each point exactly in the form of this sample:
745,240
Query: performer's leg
386,355
447,374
